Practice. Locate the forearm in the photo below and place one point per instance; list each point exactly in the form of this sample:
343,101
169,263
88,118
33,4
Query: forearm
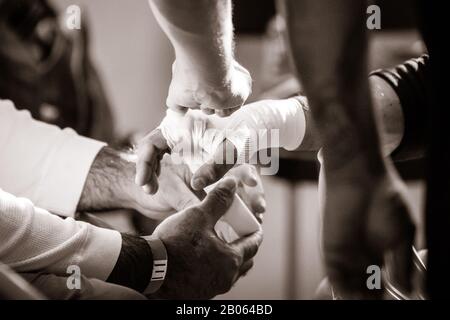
34,240
332,66
109,183
201,33
42,162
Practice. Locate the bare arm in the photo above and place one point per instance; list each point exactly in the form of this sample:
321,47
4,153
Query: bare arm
328,43
201,33
366,214
205,74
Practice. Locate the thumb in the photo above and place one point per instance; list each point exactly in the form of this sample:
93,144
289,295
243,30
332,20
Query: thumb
214,169
400,261
219,200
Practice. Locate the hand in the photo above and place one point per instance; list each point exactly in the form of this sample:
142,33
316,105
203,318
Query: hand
201,265
178,132
222,138
220,96
175,131
175,193
250,189
109,185
368,225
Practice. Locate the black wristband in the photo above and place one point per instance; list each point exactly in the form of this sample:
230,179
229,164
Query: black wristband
134,266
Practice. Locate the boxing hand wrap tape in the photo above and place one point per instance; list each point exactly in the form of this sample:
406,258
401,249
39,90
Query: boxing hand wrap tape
267,124
285,116
257,119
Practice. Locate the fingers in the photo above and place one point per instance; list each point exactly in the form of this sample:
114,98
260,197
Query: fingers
246,174
223,160
149,153
253,198
146,167
226,112
218,201
251,189
207,111
184,196
247,247
349,274
176,107
401,261
152,186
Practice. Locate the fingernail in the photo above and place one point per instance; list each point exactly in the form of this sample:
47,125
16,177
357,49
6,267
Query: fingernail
229,183
146,188
253,179
198,184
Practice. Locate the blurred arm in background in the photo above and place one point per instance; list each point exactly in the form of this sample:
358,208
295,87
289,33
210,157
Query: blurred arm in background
366,215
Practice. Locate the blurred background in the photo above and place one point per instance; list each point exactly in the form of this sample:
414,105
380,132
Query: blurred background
109,81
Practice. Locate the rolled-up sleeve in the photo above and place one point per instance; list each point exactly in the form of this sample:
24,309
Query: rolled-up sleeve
34,240
41,162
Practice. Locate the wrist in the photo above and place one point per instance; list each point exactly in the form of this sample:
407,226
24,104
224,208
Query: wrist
133,268
210,74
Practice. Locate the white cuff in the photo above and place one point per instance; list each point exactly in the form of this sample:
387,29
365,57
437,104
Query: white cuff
61,187
100,253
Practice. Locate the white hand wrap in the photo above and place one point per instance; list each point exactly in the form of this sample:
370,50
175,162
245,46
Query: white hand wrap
266,124
256,126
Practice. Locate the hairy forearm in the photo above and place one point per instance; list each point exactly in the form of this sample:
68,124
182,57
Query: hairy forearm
201,32
109,182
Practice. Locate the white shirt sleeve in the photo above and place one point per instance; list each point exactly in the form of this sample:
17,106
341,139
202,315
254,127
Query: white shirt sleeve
34,240
41,162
